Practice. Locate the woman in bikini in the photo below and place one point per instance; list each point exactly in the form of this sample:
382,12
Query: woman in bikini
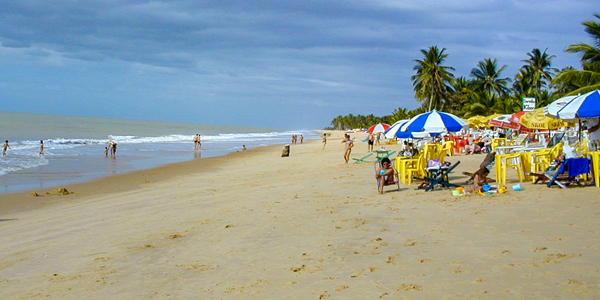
348,144
385,174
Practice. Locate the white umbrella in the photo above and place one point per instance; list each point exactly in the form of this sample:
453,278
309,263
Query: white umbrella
553,108
585,106
391,133
378,128
434,122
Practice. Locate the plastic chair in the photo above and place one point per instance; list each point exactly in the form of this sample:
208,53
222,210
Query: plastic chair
412,167
497,142
448,148
505,161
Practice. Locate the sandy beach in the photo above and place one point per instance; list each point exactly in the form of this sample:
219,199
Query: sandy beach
255,225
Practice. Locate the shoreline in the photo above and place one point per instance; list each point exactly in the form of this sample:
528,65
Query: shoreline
256,225
114,183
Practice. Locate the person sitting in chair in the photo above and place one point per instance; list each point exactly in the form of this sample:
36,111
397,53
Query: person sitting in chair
385,174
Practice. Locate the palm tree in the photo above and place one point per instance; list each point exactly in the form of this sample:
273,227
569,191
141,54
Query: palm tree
486,78
431,82
463,94
538,68
587,79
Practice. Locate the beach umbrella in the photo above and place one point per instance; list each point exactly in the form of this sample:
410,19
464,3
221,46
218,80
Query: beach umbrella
434,122
505,122
391,133
477,121
582,107
514,118
377,128
536,119
553,108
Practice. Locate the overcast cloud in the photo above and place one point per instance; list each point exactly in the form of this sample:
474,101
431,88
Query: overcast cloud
282,64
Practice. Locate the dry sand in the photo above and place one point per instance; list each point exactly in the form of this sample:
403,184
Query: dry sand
254,225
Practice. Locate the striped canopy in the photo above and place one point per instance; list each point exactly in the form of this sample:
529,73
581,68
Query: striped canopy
377,128
391,133
434,122
553,108
584,106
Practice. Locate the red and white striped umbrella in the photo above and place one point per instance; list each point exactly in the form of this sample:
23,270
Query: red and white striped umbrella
377,128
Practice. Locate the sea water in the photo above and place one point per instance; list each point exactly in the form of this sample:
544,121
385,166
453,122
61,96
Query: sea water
74,146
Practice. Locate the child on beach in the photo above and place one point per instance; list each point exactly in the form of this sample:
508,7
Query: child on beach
4,147
481,178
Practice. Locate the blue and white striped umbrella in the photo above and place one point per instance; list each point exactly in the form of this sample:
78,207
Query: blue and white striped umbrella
584,106
434,122
391,133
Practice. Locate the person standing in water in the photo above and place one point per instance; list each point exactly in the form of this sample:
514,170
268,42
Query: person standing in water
196,142
4,147
41,147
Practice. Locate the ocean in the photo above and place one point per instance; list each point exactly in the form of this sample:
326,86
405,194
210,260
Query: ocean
74,146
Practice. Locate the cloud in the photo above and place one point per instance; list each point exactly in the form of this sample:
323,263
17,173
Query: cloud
337,54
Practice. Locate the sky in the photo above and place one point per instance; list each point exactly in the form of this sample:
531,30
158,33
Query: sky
293,64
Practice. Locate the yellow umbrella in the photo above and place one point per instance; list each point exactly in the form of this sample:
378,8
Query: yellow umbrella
489,118
477,121
536,119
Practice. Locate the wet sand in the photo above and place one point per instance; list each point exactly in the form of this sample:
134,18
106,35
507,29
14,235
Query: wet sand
255,225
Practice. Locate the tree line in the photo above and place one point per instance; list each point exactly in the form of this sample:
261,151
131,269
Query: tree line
486,91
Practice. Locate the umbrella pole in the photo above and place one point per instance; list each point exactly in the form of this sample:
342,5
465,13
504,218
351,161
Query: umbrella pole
580,152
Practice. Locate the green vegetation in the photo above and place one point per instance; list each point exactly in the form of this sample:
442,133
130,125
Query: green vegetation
487,91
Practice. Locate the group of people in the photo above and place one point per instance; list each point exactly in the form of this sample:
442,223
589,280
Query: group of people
197,142
111,149
6,146
295,139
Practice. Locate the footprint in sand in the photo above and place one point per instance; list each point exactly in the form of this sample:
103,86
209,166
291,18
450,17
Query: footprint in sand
410,287
558,257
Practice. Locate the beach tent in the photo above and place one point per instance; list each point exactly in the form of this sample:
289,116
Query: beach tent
434,123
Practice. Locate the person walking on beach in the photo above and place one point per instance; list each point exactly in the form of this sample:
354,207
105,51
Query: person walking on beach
324,141
348,144
301,139
4,147
41,147
370,142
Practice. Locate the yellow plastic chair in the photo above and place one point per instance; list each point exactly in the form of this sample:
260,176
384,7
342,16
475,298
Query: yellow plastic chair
448,148
505,161
403,165
582,146
413,168
498,142
544,157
